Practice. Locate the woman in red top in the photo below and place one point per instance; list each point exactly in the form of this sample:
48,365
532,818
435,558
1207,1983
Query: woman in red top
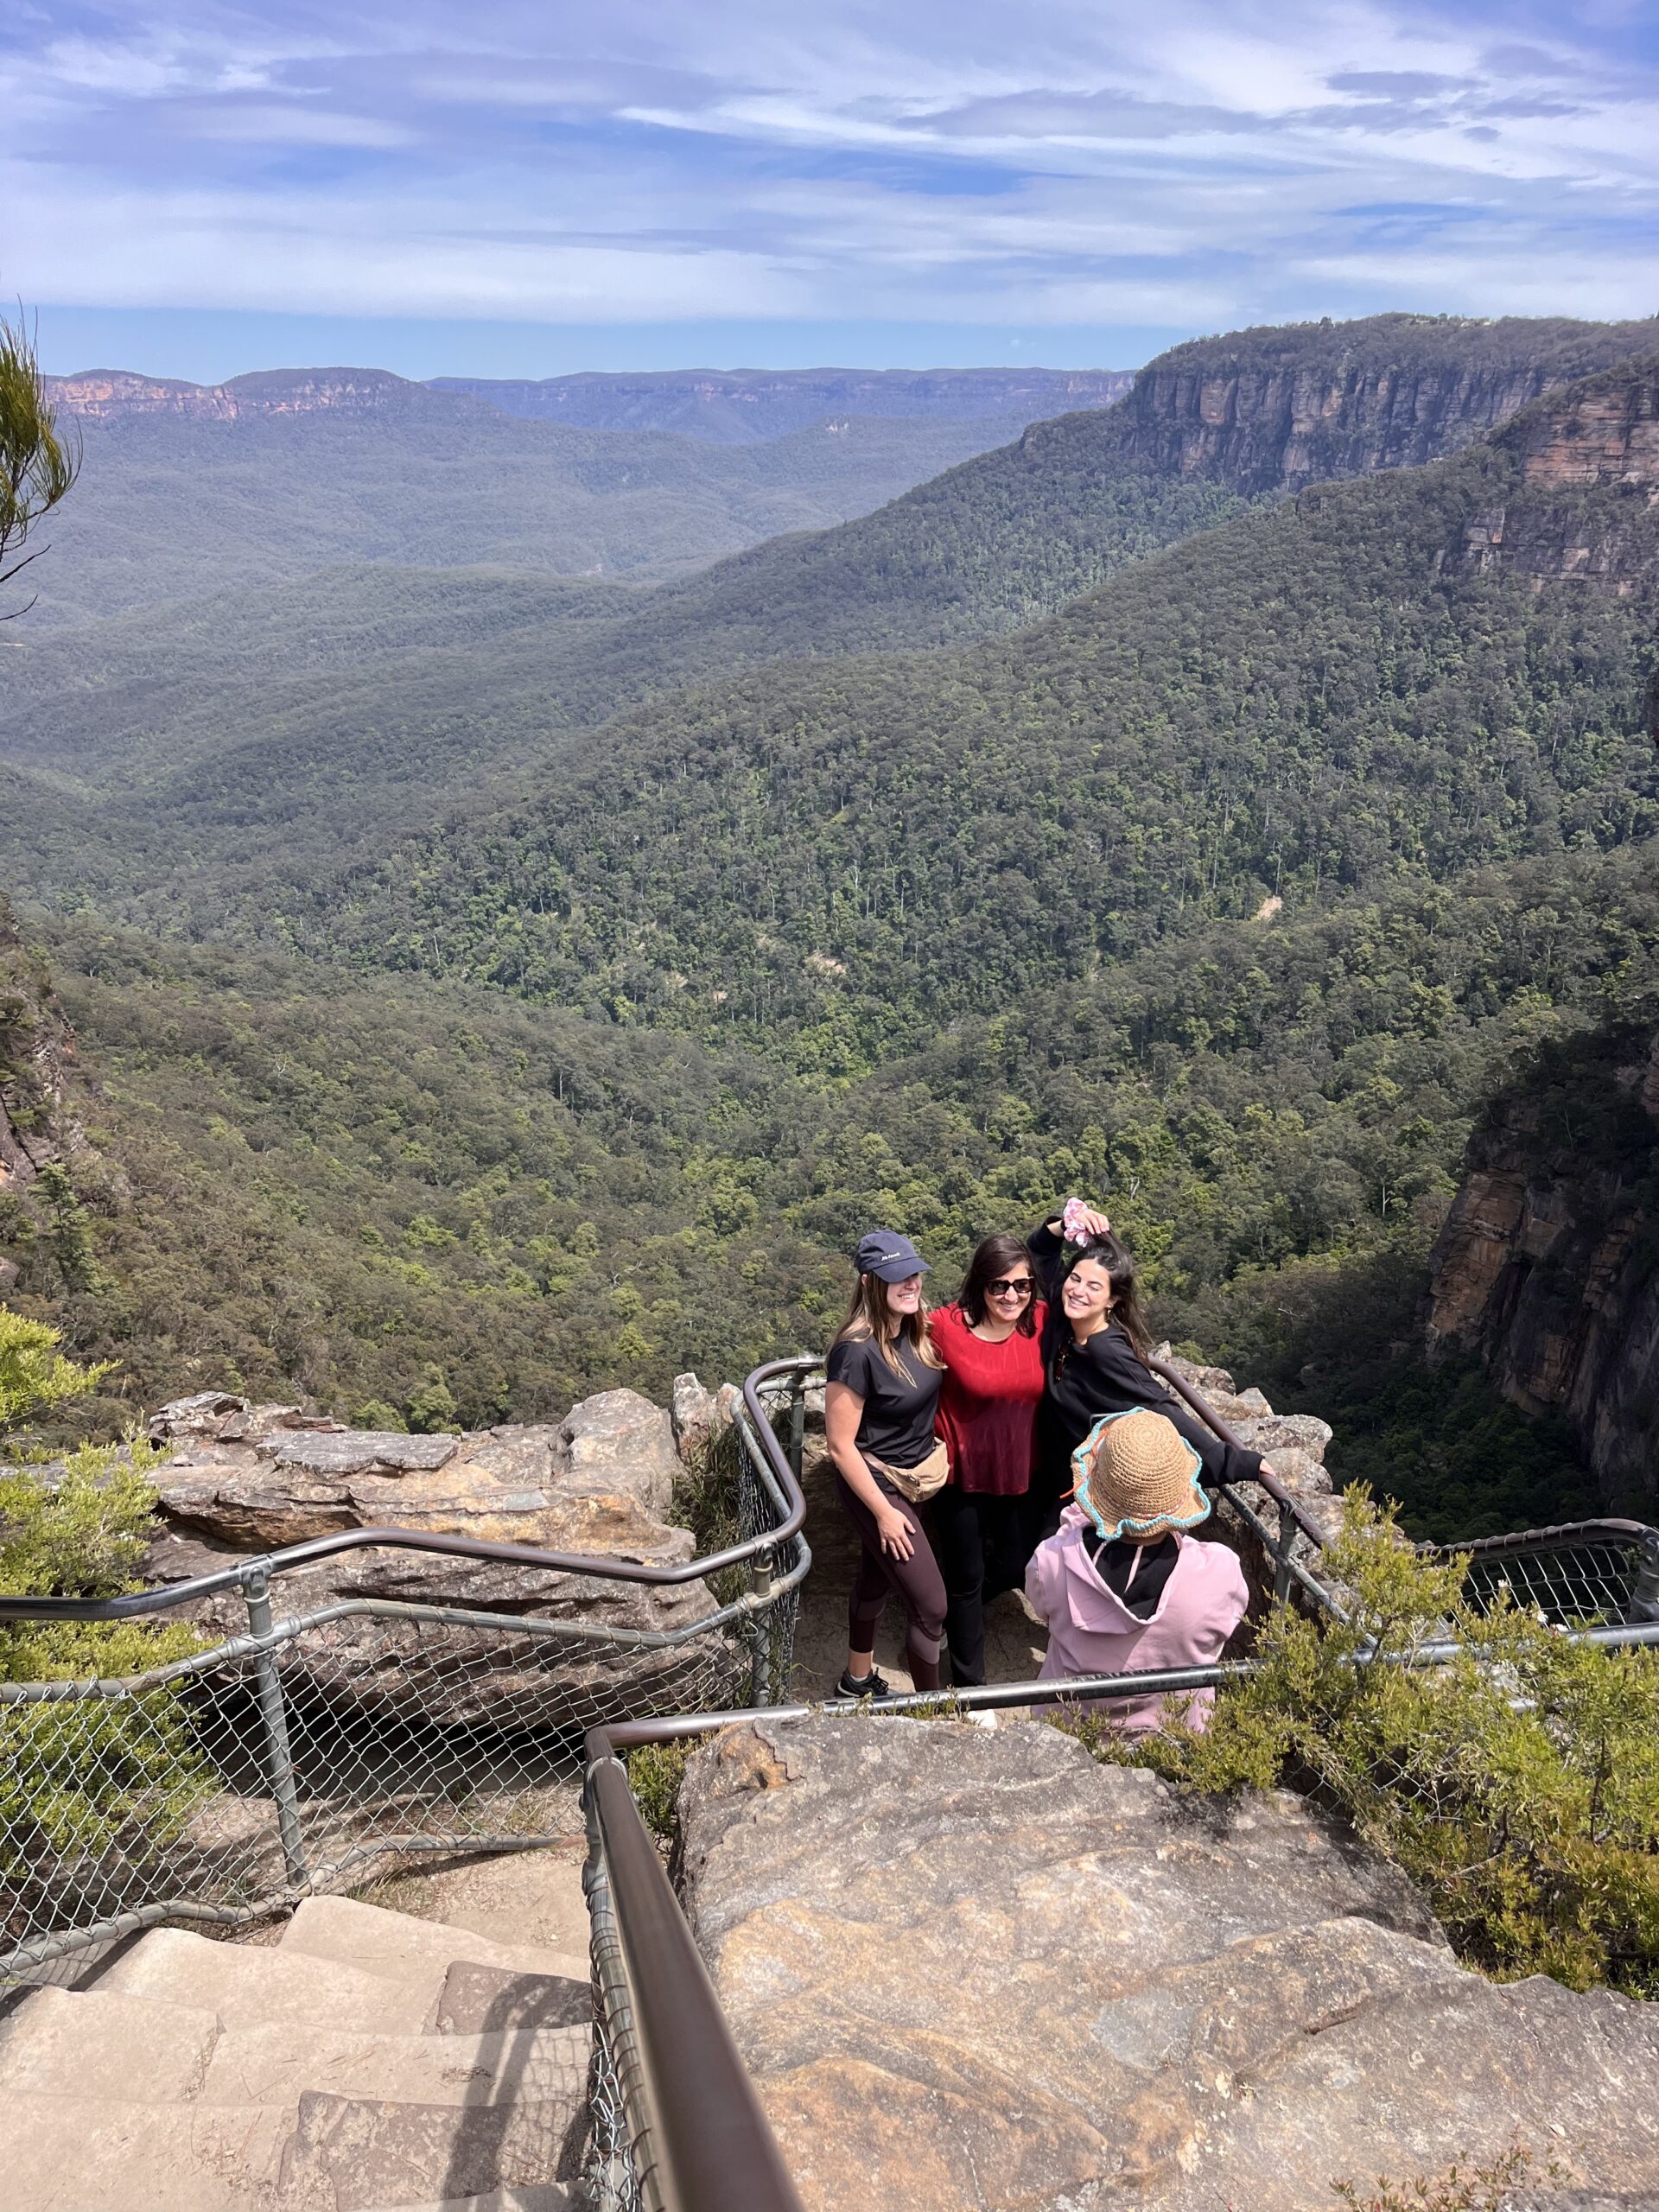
991,1345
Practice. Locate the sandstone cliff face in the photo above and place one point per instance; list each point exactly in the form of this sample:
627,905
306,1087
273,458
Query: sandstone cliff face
1548,1269
1601,437
1276,430
1268,411
973,1969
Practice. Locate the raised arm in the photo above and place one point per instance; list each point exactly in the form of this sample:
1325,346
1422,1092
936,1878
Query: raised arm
1135,1384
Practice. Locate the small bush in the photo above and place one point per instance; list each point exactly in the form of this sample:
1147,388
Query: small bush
1518,1785
75,1774
655,1773
1459,2189
33,1374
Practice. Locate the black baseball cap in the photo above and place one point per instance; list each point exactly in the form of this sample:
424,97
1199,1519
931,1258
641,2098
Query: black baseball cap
883,1252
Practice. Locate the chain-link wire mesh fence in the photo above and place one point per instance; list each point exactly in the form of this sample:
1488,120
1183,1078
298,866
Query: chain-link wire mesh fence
321,1750
1575,1576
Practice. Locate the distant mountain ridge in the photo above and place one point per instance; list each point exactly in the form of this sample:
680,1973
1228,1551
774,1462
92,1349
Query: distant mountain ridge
720,407
117,395
741,406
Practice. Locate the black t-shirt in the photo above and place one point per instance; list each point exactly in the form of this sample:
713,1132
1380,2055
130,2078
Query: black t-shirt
1106,1376
897,1423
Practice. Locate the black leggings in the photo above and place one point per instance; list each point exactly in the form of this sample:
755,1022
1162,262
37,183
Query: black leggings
916,1582
980,1554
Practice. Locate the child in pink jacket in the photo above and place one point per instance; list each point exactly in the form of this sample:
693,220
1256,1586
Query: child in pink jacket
1123,1587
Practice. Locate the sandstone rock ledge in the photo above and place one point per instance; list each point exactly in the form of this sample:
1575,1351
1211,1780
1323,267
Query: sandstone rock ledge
244,1479
977,1970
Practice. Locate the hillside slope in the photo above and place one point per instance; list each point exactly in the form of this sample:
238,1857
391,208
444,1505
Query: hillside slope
190,488
1408,675
302,771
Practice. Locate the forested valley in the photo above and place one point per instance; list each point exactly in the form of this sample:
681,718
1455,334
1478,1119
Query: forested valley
450,1043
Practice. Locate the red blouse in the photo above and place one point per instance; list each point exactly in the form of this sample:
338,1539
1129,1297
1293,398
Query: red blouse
987,1407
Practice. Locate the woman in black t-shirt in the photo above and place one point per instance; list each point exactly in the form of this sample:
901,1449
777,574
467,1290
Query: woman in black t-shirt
880,1400
1094,1350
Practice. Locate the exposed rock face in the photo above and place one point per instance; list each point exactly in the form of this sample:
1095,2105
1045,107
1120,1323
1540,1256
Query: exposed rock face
1603,434
246,1479
1272,410
976,1970
1547,1267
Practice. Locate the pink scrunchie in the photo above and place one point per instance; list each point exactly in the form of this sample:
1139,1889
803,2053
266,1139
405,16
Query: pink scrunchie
1071,1220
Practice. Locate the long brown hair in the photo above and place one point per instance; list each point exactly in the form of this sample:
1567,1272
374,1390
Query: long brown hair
870,1316
993,1257
1111,1253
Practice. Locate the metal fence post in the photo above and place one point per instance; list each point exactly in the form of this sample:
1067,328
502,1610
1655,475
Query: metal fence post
766,1630
1644,1605
279,1757
796,1423
1282,1554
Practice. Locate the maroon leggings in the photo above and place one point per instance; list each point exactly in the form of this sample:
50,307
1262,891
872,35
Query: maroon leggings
916,1582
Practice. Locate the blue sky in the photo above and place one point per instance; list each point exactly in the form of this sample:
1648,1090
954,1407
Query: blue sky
519,188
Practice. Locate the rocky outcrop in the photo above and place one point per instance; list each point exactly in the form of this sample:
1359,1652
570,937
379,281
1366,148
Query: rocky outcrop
1602,436
1548,1269
975,1969
1271,411
244,1479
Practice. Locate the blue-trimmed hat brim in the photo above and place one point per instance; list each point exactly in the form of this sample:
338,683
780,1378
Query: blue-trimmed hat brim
1127,1525
898,1270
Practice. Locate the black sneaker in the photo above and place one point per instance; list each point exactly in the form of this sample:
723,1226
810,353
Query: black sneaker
857,1686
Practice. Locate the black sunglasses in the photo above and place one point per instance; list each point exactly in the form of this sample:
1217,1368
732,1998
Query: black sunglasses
1007,1284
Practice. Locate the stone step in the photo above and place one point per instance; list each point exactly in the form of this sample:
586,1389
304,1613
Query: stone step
99,2044
244,1985
94,2042
61,2154
276,2063
349,2154
402,1947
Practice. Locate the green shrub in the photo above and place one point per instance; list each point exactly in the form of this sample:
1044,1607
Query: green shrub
1459,2189
77,1773
655,1773
34,1373
1517,1785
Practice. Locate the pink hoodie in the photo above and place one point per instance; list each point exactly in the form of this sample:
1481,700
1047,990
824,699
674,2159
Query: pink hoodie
1092,1631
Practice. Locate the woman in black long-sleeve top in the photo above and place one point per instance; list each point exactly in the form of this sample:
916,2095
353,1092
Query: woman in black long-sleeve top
1094,1347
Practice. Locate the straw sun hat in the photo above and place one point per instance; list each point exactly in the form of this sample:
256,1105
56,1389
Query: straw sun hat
1136,1474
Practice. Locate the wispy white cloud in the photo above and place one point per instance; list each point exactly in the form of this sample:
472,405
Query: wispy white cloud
1206,162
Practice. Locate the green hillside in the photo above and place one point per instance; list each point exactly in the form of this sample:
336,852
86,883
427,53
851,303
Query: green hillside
1303,704
172,505
228,758
380,1192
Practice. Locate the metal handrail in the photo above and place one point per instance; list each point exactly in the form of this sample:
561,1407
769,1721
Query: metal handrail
709,2146
1285,1500
607,1566
1556,1537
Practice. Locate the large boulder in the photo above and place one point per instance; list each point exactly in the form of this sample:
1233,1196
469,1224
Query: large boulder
974,1968
244,1479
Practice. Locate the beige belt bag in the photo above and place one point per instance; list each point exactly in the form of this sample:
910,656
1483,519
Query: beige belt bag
917,1485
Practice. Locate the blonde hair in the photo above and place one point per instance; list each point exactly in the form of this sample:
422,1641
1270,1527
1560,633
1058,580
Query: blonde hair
870,1318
